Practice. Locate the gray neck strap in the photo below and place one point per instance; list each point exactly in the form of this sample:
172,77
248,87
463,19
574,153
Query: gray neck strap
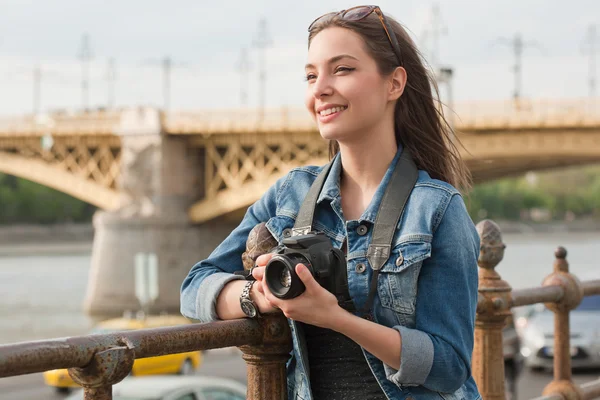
390,210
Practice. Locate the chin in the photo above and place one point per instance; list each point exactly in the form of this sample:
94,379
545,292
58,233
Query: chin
329,132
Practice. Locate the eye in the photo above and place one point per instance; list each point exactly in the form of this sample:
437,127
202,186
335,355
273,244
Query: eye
344,69
310,77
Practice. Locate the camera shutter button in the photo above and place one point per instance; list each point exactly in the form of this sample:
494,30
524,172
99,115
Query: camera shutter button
360,268
362,230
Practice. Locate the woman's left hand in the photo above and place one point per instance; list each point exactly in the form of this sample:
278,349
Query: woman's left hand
316,306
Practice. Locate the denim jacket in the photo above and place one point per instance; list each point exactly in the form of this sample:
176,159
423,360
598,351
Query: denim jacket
427,290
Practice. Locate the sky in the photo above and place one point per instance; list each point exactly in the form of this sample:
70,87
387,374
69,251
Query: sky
204,40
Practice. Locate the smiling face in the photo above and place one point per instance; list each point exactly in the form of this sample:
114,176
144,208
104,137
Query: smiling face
346,93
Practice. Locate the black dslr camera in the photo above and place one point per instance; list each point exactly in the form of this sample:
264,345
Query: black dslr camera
326,264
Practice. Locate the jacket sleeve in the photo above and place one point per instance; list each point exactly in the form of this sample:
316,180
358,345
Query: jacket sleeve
206,279
437,352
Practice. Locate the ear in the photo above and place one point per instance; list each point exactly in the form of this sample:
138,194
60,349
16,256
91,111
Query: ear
397,83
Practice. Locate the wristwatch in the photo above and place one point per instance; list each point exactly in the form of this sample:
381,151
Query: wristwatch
248,306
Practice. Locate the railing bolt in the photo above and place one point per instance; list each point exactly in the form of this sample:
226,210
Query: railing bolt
107,368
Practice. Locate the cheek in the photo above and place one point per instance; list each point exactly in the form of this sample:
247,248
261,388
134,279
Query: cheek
364,95
309,102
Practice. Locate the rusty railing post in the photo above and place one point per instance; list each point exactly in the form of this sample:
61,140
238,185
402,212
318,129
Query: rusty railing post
266,362
107,368
573,294
492,310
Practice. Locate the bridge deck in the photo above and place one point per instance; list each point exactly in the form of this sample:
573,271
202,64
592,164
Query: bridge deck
466,117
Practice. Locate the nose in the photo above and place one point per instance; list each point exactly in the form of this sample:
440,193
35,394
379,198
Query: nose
322,87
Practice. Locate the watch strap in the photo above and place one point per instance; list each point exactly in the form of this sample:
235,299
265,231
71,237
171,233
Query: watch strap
245,297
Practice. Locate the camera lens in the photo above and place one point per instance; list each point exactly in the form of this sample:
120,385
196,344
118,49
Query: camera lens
286,278
281,277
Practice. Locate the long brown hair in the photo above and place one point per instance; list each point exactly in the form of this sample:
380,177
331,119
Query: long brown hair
420,125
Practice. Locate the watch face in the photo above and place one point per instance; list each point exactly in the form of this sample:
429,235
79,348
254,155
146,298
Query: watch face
248,308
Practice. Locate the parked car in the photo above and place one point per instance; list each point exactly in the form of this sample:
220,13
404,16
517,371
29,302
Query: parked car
175,388
183,363
538,336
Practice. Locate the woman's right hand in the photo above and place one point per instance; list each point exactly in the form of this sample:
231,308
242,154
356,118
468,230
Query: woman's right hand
257,293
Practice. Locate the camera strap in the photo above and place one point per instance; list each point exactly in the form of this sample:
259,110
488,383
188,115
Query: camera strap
390,210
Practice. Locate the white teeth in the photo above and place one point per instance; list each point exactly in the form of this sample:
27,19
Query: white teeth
331,111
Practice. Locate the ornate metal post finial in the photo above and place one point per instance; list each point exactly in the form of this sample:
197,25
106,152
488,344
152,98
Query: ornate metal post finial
572,295
493,308
266,362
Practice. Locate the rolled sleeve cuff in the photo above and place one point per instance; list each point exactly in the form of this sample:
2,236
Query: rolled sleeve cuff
208,292
416,358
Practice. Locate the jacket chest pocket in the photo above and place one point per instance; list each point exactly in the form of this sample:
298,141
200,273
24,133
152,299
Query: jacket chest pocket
398,278
280,227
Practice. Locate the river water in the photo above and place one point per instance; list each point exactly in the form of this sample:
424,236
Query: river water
41,294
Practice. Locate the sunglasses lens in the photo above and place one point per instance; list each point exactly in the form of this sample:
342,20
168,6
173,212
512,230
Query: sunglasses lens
358,13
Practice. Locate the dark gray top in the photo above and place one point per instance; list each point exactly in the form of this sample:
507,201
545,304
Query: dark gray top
338,368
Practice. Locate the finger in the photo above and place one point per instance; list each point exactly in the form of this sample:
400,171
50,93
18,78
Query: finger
262,260
306,277
265,288
259,287
258,273
275,302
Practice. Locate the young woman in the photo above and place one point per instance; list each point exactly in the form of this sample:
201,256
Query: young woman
372,98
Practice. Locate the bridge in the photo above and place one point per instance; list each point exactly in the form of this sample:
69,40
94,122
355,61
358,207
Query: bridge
168,183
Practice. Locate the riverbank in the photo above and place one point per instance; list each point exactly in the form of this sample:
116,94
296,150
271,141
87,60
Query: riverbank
24,240
77,238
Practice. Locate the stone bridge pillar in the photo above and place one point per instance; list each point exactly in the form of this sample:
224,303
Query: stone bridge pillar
160,177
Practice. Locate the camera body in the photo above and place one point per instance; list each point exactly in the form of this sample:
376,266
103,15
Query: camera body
326,263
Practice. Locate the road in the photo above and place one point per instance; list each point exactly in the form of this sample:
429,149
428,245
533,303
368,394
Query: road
226,363
229,364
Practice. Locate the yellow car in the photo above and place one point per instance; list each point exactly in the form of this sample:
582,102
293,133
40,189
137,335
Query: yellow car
182,363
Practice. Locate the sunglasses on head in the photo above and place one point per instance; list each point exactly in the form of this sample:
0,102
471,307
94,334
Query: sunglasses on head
359,13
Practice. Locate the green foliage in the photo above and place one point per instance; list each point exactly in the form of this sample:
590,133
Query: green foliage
573,192
26,202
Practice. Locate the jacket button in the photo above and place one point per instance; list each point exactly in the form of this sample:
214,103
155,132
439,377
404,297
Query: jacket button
362,230
360,268
399,260
287,233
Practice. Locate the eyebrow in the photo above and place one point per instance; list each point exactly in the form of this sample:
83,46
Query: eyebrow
334,59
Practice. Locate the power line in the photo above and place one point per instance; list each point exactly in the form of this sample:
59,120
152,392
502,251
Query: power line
591,49
167,64
438,28
39,74
111,77
243,67
166,68
261,42
518,45
37,88
85,55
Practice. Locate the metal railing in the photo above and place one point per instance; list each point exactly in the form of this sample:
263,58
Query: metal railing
560,292
97,362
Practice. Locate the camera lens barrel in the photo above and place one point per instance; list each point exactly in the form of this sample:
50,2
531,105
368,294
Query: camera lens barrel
281,277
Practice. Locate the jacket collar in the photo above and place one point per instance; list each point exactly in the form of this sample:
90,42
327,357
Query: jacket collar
331,187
